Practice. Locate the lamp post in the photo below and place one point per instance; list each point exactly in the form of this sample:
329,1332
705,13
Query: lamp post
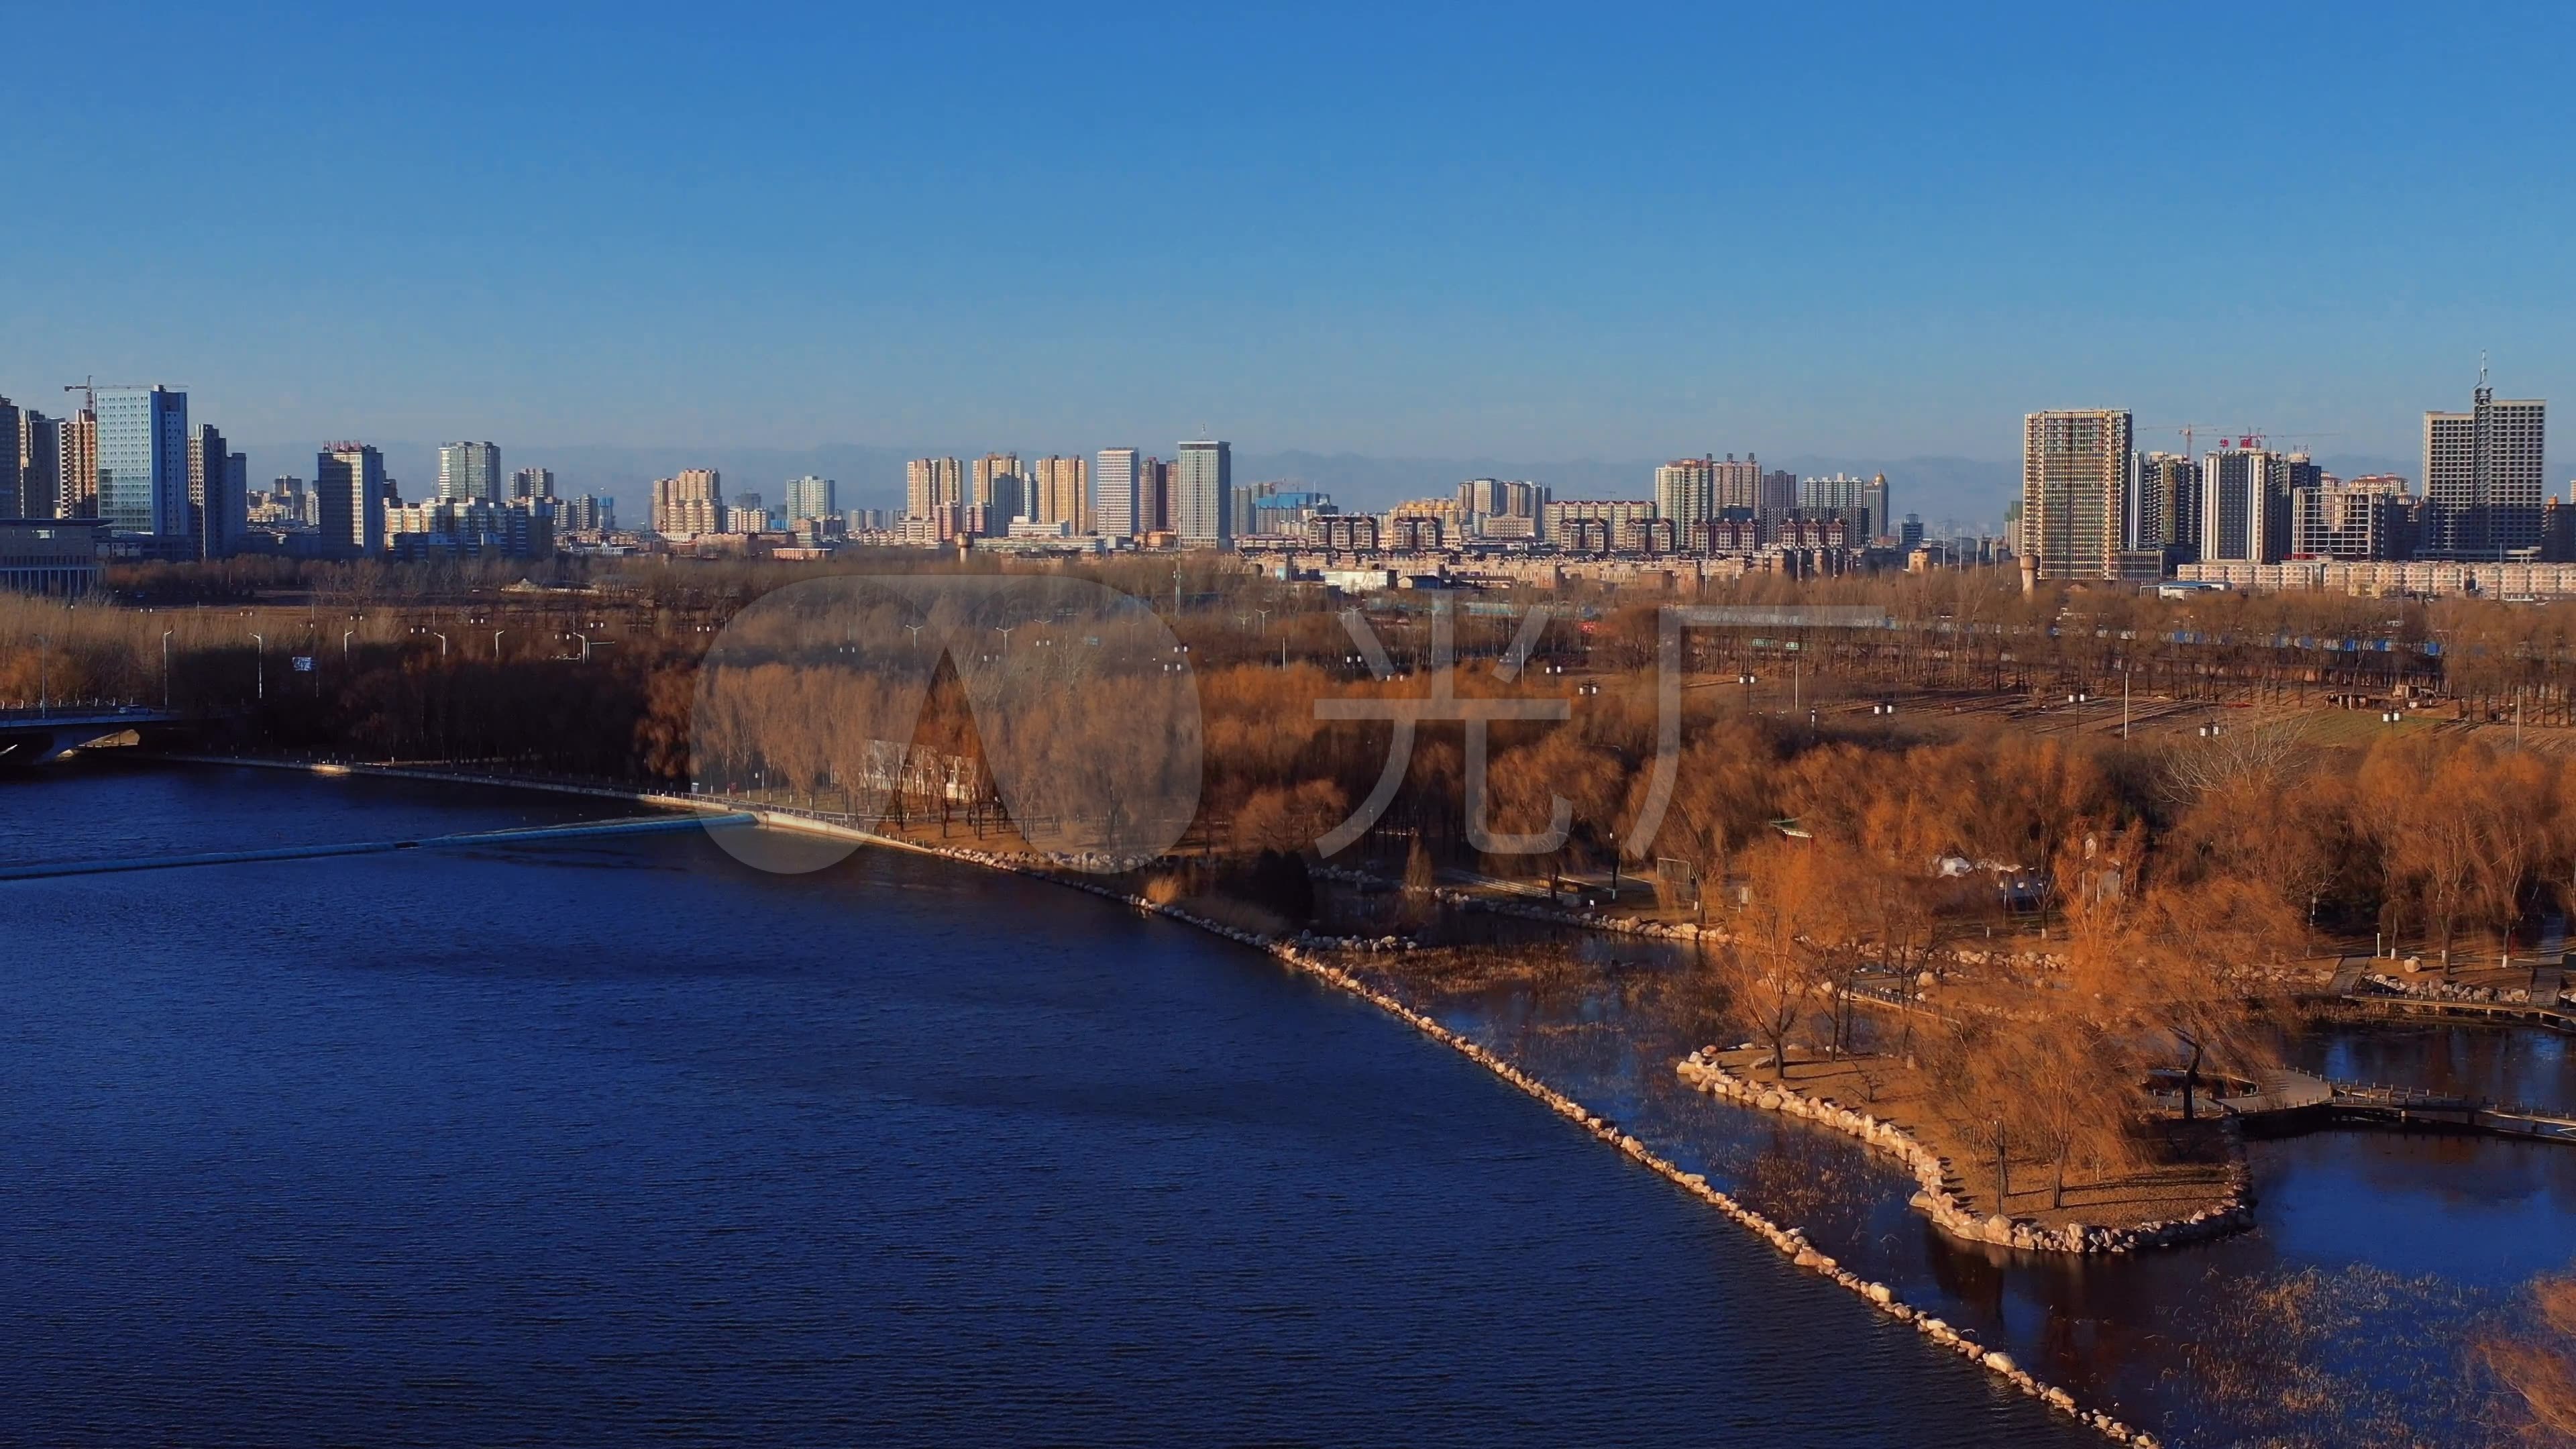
1005,631
259,664
165,669
496,644
345,636
44,675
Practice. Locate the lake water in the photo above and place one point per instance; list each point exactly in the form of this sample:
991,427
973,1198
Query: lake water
622,1142
2342,1320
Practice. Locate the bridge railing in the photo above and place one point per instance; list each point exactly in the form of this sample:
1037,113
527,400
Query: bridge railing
77,709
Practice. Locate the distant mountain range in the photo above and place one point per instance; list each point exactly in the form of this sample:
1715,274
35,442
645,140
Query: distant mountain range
1947,492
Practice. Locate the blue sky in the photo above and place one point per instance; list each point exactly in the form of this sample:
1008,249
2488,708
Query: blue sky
1516,231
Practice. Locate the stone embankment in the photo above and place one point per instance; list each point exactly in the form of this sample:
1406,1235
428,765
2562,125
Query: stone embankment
1937,1201
2436,990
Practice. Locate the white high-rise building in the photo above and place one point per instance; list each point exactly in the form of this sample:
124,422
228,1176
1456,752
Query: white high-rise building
1202,493
2244,505
2482,477
469,472
1686,491
811,497
1113,481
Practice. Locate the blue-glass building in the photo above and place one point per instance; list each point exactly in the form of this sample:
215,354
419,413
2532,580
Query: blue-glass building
143,459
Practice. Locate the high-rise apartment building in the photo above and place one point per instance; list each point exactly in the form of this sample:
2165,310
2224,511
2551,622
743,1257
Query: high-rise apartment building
2163,511
2074,469
1686,491
349,499
1860,504
2245,503
690,504
142,443
1153,496
40,464
1000,494
1501,507
1114,509
530,483
1777,494
2482,477
2363,518
1737,484
586,513
1202,492
930,484
1060,492
469,472
79,468
13,502
811,497
218,505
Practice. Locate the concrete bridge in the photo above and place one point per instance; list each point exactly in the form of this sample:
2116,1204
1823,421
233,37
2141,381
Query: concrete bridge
33,736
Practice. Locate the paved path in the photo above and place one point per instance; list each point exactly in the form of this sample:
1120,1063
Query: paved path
2348,974
2550,961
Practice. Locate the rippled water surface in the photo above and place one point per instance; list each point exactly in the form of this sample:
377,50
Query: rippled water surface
625,1143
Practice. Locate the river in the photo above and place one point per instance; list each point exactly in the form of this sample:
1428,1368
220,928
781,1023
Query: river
620,1142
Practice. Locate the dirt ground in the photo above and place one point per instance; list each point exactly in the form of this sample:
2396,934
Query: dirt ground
2193,1177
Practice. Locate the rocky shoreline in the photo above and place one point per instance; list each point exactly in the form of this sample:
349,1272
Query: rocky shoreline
1931,1173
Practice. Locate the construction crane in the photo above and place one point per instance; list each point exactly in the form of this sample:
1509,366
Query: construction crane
2189,450
88,388
2301,438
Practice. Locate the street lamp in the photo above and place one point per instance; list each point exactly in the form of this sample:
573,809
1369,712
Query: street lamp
165,669
345,636
496,644
259,663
